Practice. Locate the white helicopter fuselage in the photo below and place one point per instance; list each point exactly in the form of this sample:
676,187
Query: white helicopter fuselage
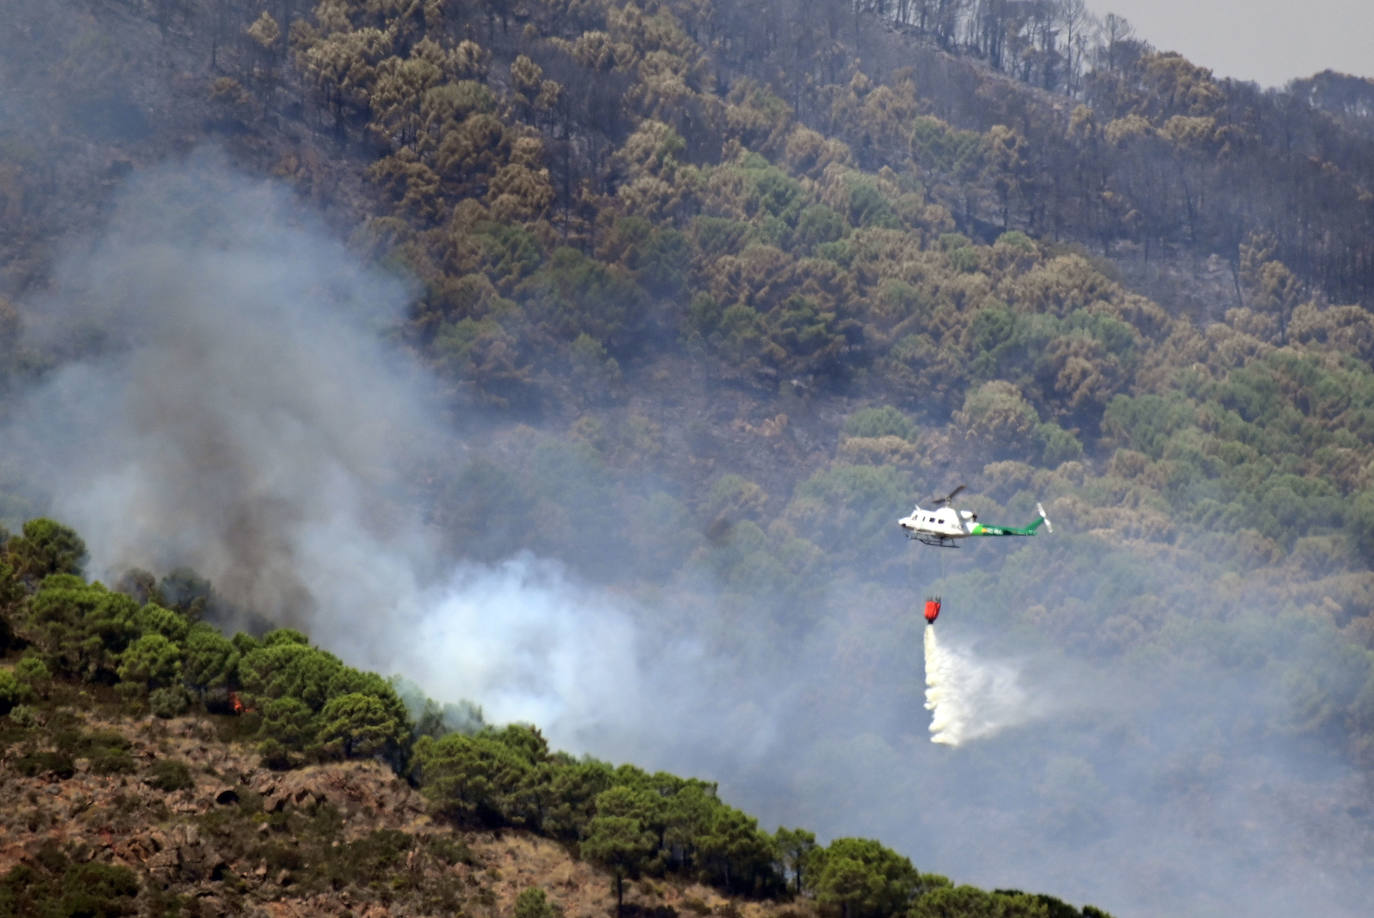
940,523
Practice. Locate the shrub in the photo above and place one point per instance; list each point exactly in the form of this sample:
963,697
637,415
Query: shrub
168,702
12,691
371,860
449,850
533,903
111,760
280,856
33,672
170,775
57,763
98,889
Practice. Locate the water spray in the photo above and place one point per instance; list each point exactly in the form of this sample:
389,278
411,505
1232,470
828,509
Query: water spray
968,698
947,716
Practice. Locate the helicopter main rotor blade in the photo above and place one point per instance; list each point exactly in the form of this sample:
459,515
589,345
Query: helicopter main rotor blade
948,497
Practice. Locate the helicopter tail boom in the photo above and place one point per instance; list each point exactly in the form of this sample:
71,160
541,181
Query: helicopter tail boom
980,529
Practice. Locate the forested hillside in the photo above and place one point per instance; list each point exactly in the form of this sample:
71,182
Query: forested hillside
704,296
299,706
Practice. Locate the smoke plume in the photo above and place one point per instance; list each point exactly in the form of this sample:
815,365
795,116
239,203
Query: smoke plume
231,406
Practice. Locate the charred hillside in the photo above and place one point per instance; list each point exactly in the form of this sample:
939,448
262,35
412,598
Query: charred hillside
1100,139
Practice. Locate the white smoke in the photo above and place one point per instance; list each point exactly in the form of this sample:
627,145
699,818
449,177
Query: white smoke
971,699
233,408
526,643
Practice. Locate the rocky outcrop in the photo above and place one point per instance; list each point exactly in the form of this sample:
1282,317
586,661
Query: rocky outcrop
235,838
365,790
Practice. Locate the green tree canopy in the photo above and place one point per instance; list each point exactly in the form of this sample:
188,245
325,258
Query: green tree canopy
211,661
289,731
358,724
736,855
45,547
476,780
284,667
167,622
865,879
622,846
152,661
796,851
80,628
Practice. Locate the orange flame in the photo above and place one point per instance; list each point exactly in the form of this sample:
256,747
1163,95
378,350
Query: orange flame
235,703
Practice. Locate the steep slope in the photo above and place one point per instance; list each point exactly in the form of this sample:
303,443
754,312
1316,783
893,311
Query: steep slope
112,811
203,828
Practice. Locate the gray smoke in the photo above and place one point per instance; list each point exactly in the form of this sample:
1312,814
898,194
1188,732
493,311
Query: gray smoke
233,408
231,405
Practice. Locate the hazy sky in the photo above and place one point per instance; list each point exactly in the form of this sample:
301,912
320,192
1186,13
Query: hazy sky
1267,41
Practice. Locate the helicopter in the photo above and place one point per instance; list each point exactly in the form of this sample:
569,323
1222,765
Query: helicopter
944,524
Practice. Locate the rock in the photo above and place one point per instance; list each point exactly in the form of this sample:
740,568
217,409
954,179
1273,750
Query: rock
185,835
164,864
227,796
207,904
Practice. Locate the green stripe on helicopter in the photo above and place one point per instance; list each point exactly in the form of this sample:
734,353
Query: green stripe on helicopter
980,530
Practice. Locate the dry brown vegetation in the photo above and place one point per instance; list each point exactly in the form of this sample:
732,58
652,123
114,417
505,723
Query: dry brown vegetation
333,839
